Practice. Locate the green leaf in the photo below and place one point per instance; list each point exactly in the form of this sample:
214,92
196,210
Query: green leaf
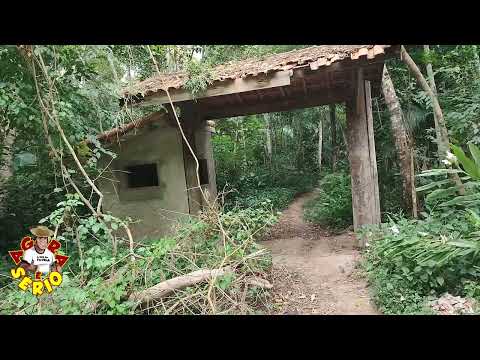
436,172
468,165
21,302
439,193
475,151
459,200
440,280
433,184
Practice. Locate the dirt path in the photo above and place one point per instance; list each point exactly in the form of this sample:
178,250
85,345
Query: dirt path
314,271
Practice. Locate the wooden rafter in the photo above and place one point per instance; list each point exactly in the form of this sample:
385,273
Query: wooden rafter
239,98
304,86
218,112
276,79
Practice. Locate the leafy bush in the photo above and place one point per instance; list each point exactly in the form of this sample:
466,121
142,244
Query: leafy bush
441,194
278,189
22,211
413,260
278,198
332,207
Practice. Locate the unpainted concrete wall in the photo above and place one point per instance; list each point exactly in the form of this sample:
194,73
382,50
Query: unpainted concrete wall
157,208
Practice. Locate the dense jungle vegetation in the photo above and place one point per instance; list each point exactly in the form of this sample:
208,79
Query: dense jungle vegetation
53,99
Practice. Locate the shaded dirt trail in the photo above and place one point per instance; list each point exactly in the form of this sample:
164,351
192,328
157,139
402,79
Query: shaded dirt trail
313,270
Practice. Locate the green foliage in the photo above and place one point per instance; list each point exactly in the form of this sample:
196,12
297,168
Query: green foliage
22,210
199,77
87,83
244,169
416,260
332,206
106,281
278,198
471,167
442,195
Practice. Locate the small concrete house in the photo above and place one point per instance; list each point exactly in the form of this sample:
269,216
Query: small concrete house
150,174
154,178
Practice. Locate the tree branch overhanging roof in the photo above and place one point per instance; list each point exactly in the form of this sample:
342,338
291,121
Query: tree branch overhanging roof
313,57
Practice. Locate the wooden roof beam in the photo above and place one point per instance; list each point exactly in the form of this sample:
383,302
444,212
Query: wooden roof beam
329,97
227,87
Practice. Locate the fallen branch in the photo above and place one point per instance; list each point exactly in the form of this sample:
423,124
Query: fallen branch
165,288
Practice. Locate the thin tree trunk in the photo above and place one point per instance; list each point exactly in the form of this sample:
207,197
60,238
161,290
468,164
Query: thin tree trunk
298,140
405,153
112,67
414,192
320,142
244,143
477,60
333,130
344,136
431,81
235,149
444,143
268,138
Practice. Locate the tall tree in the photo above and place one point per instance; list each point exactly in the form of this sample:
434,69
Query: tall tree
320,141
402,143
444,143
431,81
333,130
476,58
268,137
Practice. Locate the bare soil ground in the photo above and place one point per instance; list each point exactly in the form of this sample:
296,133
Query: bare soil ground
314,271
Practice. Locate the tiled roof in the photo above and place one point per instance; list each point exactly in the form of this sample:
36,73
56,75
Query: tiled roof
314,57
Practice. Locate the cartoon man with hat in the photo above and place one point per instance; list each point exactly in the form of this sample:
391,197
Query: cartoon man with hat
38,258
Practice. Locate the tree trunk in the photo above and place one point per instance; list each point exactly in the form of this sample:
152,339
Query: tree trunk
405,153
333,130
431,81
244,143
235,149
298,136
320,142
268,138
444,143
476,59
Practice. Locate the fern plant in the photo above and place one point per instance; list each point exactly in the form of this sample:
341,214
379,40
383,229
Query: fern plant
443,194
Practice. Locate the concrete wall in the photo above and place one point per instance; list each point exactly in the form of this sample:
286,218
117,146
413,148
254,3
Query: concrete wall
157,208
